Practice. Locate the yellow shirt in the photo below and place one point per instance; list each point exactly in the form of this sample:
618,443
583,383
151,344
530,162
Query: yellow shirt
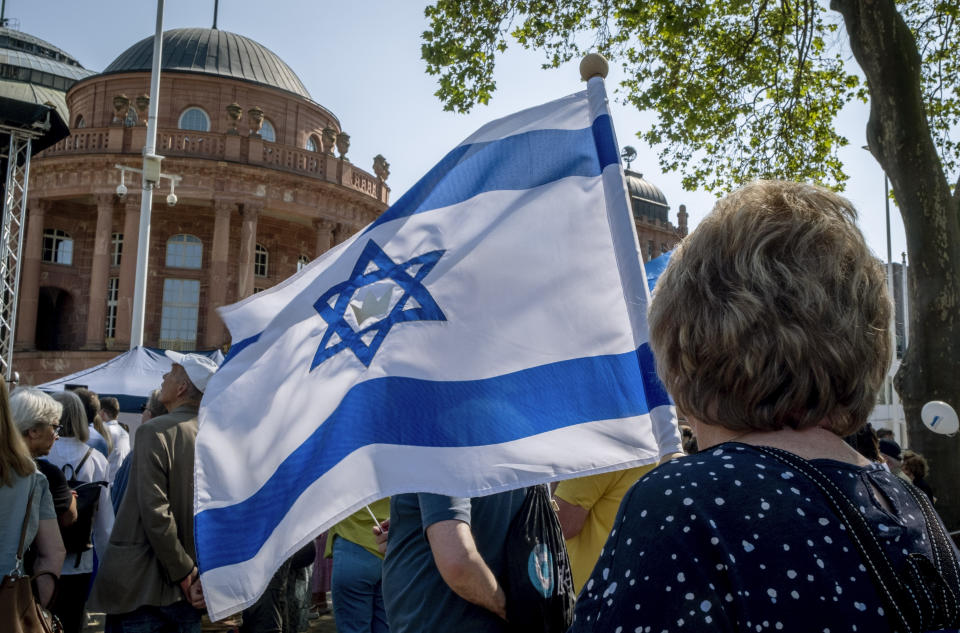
358,528
600,495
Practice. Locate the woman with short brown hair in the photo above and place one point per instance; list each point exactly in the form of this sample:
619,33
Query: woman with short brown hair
770,330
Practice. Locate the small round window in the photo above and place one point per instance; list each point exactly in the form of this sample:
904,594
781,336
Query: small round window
194,119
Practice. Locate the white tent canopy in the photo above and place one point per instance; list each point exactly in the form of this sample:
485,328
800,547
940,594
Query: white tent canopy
129,377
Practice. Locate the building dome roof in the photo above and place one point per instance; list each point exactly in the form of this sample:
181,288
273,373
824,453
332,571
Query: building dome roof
646,199
35,73
212,52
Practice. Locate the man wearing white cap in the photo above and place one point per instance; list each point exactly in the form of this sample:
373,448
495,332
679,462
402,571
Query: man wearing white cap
148,576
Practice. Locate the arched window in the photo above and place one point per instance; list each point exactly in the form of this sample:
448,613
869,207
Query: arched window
312,144
57,247
184,251
260,261
79,124
302,262
267,132
194,119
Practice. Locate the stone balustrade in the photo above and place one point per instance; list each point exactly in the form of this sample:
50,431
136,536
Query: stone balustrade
222,147
83,141
190,144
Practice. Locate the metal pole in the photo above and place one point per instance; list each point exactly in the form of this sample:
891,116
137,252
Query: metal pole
897,420
11,241
146,198
906,302
893,314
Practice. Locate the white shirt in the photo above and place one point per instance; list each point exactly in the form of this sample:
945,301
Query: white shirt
70,450
121,447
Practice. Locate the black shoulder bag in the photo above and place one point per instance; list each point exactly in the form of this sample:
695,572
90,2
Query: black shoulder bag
76,536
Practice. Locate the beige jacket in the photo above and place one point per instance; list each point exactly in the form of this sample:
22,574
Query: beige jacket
151,548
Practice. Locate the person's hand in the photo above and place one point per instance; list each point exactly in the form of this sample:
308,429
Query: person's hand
381,534
193,590
195,595
668,457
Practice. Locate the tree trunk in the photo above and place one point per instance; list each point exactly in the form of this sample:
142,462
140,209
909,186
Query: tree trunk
899,137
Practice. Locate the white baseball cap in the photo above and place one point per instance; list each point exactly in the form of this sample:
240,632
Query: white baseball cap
199,368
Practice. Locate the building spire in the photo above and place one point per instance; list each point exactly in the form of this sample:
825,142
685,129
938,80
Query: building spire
216,9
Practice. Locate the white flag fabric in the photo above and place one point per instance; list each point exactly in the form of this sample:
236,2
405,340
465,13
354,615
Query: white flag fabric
487,332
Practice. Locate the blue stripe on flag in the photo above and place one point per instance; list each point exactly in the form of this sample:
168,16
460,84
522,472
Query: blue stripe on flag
655,391
521,161
413,412
605,141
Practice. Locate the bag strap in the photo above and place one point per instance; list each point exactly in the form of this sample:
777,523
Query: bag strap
892,591
26,522
944,557
17,571
82,461
56,586
74,469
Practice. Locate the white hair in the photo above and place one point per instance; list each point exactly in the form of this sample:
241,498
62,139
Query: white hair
31,407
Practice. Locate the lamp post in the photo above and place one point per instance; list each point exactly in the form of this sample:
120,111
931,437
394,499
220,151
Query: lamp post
893,313
888,384
151,175
906,301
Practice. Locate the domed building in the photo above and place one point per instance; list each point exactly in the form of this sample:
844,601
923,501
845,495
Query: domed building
266,186
651,216
35,72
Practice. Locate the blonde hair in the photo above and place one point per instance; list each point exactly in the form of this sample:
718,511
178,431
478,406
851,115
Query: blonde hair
91,405
14,455
773,313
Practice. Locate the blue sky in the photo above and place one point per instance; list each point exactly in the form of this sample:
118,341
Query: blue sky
362,61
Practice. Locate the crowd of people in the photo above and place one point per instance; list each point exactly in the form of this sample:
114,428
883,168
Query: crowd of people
787,511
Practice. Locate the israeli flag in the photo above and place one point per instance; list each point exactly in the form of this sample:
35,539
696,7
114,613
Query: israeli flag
487,332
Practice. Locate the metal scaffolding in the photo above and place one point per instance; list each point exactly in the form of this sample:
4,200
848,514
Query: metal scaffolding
15,159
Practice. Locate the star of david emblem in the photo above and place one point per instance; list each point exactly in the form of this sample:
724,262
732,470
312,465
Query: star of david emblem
379,294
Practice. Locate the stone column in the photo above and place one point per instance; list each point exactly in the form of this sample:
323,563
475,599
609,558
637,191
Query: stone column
99,271
214,333
128,269
325,230
26,333
250,212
